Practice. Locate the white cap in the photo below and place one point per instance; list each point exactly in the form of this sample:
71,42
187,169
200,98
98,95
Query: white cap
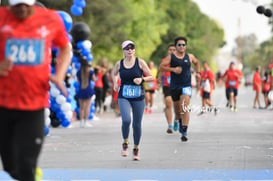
127,42
28,2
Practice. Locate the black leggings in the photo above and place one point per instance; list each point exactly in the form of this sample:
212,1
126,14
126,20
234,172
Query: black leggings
99,98
21,139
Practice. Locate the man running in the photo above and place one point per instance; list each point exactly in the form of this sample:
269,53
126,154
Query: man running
207,86
179,64
164,78
232,76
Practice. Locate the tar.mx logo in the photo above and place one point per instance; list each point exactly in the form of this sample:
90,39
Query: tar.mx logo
198,108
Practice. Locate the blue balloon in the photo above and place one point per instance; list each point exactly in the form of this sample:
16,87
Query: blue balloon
80,45
89,57
92,109
53,70
60,115
54,106
67,20
76,85
77,110
75,59
65,123
69,99
69,70
91,116
54,51
78,65
46,130
80,3
83,45
76,10
70,37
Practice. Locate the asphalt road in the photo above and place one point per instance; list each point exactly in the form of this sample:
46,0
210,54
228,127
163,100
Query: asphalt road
228,146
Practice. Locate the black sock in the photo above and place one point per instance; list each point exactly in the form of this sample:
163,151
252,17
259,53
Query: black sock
185,129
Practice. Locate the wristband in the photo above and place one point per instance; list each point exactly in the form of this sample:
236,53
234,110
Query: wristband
142,80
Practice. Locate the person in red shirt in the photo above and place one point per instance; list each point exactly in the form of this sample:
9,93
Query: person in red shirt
115,98
232,77
164,78
99,72
257,87
270,67
266,83
207,86
27,33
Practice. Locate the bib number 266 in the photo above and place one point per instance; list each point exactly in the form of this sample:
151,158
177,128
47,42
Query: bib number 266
25,51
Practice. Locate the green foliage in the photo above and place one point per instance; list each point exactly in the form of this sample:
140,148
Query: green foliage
152,24
261,57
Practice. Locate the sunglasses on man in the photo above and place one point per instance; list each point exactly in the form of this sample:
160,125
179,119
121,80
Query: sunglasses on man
181,44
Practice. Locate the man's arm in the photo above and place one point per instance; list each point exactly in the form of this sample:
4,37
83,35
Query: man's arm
196,63
165,68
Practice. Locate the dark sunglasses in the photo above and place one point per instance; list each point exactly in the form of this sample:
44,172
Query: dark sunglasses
129,47
181,44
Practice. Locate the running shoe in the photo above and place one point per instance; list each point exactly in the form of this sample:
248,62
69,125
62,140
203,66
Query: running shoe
232,108
201,112
136,154
124,151
184,139
216,111
38,174
146,110
175,125
169,131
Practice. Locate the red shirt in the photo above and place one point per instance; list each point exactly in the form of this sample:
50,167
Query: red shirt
232,80
256,81
207,75
27,84
99,82
166,76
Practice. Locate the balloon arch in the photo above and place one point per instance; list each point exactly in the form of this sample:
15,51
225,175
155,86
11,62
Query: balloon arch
63,109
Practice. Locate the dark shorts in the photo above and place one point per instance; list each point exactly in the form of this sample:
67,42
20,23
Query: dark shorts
150,91
85,93
230,90
176,93
206,95
167,91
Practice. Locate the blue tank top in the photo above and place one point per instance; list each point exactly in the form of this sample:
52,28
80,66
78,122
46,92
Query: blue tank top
184,79
128,89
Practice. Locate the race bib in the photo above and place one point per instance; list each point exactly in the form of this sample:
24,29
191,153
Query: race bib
169,80
186,91
232,82
131,91
151,84
25,51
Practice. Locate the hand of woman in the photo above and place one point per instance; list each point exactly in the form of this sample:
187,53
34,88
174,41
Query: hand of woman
138,80
116,87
